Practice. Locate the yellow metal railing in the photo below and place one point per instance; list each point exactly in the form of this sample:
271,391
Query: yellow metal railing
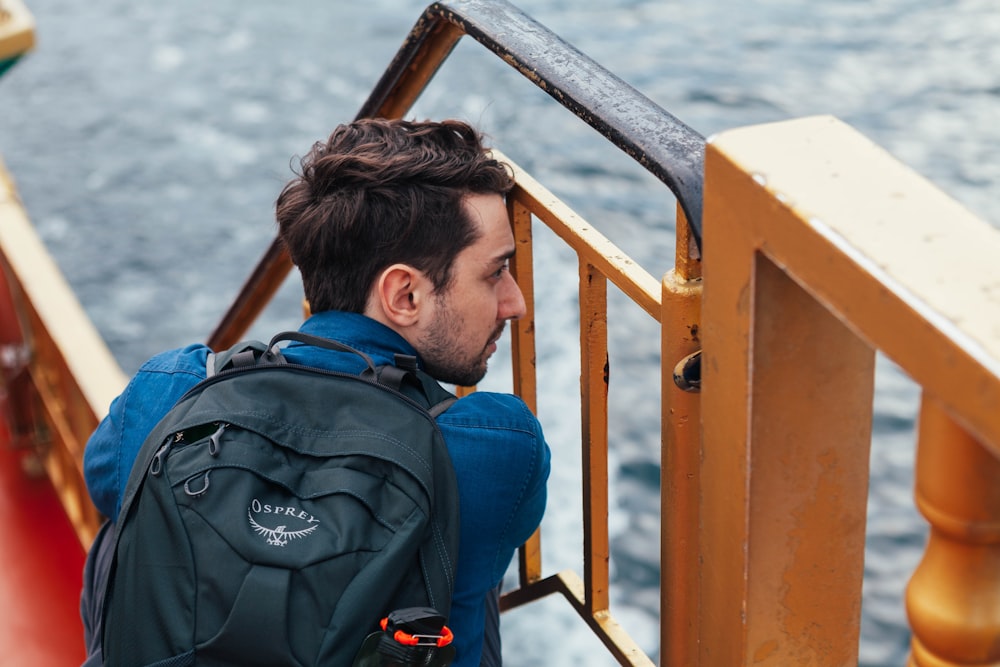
599,261
822,249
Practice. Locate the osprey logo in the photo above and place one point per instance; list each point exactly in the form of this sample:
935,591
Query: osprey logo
279,535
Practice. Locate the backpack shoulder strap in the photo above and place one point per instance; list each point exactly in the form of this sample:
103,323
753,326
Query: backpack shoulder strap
403,372
439,399
257,353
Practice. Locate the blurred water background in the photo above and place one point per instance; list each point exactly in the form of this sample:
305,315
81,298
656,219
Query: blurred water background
149,141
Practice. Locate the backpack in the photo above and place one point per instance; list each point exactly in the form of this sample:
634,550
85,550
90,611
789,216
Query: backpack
278,512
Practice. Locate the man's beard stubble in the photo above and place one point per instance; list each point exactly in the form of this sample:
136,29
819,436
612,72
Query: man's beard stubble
439,349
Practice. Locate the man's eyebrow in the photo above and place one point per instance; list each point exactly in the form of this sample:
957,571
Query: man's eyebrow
505,256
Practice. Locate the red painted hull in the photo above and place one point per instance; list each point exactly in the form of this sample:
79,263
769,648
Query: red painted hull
41,568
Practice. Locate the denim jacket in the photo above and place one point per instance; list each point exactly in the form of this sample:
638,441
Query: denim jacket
496,444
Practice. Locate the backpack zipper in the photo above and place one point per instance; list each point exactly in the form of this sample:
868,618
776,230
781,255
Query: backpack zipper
214,443
156,465
215,439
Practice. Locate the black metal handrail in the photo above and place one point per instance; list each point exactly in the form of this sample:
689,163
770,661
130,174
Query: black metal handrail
662,144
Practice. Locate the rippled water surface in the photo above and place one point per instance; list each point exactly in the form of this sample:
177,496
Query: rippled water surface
149,141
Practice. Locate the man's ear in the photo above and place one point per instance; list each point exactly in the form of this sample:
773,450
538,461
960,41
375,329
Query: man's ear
401,291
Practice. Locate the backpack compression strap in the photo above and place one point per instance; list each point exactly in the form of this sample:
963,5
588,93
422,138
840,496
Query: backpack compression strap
242,355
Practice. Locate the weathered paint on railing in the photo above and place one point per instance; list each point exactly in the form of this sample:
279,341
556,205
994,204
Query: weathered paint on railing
680,457
821,249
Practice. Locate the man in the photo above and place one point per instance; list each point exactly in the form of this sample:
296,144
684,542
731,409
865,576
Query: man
400,233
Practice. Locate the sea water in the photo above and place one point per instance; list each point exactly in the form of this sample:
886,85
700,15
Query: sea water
149,140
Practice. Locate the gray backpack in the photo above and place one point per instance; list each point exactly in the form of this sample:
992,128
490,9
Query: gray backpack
278,512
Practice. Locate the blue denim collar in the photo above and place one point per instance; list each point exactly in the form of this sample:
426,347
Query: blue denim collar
358,331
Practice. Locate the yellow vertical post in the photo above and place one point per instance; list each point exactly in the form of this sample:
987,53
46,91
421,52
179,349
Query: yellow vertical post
786,418
523,329
523,358
953,599
594,371
679,457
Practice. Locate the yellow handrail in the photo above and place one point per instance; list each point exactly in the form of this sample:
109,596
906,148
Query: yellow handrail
821,249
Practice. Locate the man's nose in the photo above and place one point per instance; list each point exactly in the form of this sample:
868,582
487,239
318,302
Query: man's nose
511,299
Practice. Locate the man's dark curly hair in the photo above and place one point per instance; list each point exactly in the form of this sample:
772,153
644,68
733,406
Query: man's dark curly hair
380,192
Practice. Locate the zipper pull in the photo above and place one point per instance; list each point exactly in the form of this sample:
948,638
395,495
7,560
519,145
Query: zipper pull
213,440
156,465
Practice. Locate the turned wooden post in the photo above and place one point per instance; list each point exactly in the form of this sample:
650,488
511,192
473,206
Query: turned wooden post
953,599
